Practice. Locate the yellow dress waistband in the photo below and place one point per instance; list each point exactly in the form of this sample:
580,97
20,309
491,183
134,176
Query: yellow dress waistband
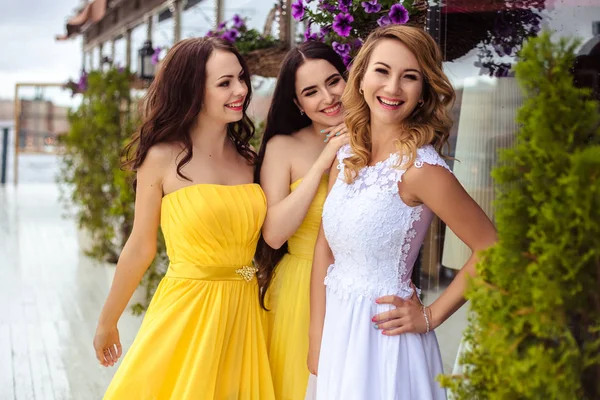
212,272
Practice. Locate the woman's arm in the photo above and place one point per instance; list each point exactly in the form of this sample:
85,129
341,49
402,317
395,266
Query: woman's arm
441,192
286,210
137,254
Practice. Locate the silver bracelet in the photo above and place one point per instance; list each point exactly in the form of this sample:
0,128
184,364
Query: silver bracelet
424,308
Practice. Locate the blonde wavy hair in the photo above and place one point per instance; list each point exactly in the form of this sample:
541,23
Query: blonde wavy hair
427,124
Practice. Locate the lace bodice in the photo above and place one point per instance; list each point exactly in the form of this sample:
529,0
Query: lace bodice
374,236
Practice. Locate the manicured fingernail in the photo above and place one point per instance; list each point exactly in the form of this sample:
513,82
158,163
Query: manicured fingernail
376,326
338,134
384,332
377,301
322,130
374,319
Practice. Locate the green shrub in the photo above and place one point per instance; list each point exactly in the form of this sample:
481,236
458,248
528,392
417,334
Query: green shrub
93,183
534,330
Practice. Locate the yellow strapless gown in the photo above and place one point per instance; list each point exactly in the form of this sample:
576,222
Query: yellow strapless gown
202,336
289,304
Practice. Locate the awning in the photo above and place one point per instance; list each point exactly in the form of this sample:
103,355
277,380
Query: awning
93,12
473,6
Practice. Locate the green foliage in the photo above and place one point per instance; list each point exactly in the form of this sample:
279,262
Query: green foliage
91,175
258,133
244,39
535,326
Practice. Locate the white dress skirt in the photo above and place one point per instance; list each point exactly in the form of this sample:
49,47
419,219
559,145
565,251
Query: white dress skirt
375,239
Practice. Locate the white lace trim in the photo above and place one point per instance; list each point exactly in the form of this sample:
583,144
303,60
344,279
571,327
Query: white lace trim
386,173
347,290
415,216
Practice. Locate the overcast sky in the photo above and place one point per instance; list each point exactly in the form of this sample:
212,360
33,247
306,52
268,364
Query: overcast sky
28,50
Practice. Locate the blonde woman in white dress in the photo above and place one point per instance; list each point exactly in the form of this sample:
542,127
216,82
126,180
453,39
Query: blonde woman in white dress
370,337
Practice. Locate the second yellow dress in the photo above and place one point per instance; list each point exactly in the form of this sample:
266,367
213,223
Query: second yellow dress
289,304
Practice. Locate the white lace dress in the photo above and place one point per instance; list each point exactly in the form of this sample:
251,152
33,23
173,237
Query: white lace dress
375,239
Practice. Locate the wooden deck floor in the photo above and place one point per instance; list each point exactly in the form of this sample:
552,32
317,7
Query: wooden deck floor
50,296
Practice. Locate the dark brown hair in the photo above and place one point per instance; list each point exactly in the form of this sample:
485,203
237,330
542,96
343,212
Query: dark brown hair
284,118
175,99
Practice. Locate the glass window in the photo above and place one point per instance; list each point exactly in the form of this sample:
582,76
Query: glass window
105,53
256,12
120,52
198,17
138,37
163,30
89,55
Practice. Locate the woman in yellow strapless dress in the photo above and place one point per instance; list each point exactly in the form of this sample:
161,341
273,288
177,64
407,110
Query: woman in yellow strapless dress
303,132
202,336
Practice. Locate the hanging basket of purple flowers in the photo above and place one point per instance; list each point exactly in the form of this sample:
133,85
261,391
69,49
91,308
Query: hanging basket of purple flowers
262,52
345,24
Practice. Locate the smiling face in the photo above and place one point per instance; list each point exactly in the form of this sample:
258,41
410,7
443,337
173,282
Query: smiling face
393,83
319,88
225,90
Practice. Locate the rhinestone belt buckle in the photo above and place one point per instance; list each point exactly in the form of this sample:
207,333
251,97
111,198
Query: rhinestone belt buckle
247,272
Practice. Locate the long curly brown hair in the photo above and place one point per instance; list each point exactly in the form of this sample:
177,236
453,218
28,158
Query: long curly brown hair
175,98
428,124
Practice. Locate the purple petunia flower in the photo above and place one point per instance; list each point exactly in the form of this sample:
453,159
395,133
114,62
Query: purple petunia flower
343,49
384,21
83,81
311,36
398,14
342,24
344,5
347,59
325,30
230,35
314,37
326,6
298,10
371,6
356,44
155,57
221,26
238,22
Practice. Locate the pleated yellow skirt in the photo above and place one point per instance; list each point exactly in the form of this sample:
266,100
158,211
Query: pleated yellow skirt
199,340
290,308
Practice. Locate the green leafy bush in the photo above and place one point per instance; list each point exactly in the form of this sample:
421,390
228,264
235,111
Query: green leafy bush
100,192
534,332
